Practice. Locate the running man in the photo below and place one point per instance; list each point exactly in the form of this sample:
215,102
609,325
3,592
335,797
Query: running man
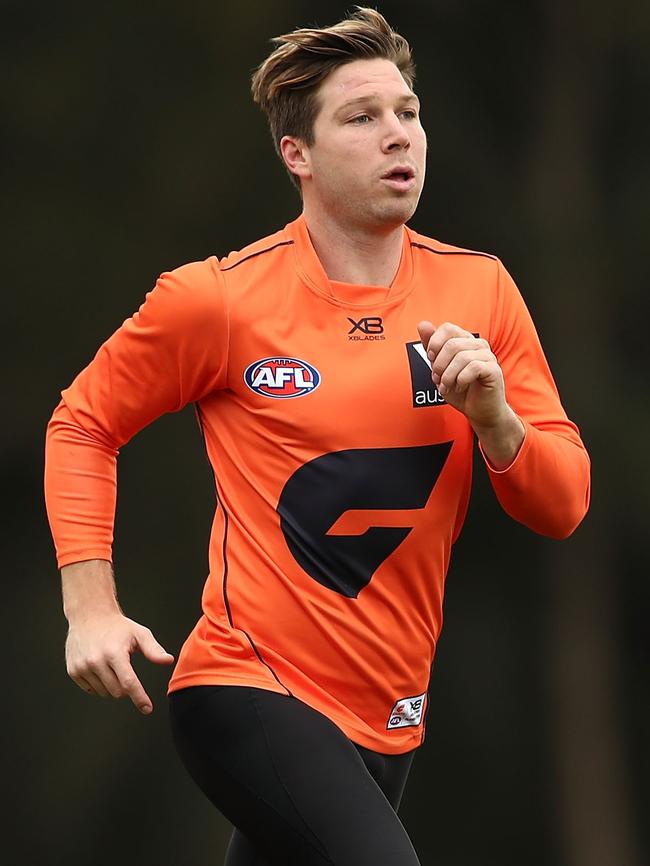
341,370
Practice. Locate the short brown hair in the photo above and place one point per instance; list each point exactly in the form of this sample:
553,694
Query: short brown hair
285,84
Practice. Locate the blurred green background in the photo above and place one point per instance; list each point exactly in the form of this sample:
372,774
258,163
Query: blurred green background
130,146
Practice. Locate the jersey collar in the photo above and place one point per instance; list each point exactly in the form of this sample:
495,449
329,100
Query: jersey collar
313,274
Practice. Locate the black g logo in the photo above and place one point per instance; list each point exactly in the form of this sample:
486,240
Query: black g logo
359,479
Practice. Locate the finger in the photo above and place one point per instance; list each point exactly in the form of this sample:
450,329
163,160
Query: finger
425,330
109,678
151,649
83,684
95,683
456,346
444,332
130,684
98,670
96,675
447,379
483,371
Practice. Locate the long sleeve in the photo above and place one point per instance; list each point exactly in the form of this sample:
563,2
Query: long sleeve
547,486
171,352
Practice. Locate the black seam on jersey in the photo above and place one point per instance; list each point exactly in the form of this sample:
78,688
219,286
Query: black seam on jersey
199,418
225,555
258,253
453,252
266,664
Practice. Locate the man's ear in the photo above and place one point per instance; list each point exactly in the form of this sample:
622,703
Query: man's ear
296,156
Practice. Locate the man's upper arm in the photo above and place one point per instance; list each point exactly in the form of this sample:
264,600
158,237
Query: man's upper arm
172,351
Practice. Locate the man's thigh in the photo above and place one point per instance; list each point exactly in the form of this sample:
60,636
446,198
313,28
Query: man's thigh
287,778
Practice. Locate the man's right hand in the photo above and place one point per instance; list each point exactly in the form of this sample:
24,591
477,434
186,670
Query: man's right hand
98,657
101,640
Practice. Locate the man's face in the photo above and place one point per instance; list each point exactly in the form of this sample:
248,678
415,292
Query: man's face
367,163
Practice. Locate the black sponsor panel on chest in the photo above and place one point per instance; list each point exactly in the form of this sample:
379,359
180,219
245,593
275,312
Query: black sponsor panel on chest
424,391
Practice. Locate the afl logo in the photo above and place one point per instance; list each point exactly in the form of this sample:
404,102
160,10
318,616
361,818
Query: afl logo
282,377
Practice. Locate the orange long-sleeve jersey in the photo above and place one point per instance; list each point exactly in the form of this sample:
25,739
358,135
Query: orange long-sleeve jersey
342,476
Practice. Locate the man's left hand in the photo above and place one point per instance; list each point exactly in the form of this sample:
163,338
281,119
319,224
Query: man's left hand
467,374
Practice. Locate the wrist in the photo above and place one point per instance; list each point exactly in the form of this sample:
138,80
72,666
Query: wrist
501,440
88,590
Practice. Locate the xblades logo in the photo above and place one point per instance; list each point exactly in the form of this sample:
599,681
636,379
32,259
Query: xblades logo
370,328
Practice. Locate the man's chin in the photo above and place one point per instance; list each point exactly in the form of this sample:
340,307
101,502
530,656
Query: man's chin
394,213
378,214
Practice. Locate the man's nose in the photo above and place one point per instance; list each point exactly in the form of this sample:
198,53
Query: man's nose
396,135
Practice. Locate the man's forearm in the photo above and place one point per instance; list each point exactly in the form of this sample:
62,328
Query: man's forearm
501,443
88,588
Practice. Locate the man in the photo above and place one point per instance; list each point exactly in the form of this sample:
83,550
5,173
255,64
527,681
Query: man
340,432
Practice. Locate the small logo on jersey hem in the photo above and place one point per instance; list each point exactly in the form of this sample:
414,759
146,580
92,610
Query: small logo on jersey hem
407,712
282,378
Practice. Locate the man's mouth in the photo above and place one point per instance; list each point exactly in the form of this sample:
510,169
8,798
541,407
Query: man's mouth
401,177
400,171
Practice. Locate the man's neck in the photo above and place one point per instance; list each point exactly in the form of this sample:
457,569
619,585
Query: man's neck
367,258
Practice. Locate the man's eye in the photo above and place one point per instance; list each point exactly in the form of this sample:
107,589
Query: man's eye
410,113
360,118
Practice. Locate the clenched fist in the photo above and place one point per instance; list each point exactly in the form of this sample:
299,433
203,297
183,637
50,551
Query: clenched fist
467,374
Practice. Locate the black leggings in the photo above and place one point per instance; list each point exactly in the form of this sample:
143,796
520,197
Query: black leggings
296,789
